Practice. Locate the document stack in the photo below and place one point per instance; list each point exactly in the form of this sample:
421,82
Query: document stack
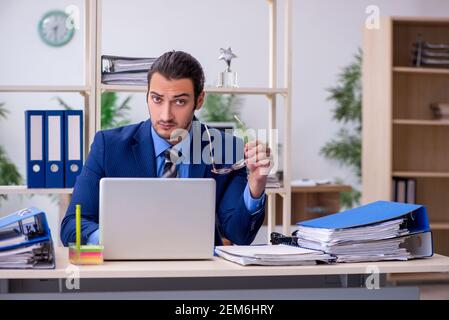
377,231
125,70
427,54
25,241
271,255
273,181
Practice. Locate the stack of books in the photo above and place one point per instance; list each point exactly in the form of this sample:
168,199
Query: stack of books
431,54
25,241
125,70
378,231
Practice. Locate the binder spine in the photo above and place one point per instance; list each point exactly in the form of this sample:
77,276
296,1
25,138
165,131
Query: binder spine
54,149
73,140
35,148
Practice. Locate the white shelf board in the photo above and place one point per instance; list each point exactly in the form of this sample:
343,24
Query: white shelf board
275,190
261,91
44,88
26,190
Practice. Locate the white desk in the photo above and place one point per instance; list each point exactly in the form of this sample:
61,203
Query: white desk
218,274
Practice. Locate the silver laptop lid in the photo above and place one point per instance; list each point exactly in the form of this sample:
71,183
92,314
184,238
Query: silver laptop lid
157,219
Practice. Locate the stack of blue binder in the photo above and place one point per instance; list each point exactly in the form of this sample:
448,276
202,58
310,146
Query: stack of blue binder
378,231
54,147
25,241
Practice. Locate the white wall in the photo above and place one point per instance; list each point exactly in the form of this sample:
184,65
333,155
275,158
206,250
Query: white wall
326,34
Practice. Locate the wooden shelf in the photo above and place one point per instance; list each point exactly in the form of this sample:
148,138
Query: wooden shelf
419,70
414,122
415,146
256,91
321,188
439,225
26,190
420,174
44,88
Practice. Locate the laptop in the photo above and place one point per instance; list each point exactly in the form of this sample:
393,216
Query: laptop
157,218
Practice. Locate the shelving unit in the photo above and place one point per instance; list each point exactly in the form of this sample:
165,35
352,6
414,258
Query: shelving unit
86,90
92,89
400,138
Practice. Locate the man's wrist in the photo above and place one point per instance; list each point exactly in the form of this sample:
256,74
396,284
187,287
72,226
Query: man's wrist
257,186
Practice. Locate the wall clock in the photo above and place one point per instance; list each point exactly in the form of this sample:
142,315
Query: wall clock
54,29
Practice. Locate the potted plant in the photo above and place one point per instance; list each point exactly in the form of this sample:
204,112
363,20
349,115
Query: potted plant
9,175
346,148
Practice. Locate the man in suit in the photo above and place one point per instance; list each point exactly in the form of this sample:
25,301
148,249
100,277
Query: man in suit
175,92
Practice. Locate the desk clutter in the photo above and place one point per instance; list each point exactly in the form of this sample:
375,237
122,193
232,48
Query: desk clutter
54,147
25,241
83,254
378,231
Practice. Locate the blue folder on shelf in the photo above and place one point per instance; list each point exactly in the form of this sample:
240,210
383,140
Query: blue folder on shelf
25,240
35,148
415,216
73,140
54,149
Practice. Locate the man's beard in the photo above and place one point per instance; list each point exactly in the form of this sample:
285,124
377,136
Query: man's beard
177,134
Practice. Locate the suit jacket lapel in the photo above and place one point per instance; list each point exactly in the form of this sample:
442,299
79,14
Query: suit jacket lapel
143,150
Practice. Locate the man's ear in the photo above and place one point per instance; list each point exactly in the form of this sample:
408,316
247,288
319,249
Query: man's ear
200,100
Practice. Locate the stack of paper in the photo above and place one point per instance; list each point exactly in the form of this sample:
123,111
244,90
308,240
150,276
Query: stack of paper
25,241
377,231
125,70
271,255
273,181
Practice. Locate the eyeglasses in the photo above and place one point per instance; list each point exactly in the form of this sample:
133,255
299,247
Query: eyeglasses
236,166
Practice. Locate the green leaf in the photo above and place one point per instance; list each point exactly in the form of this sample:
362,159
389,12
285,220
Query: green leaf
221,108
3,111
63,103
9,174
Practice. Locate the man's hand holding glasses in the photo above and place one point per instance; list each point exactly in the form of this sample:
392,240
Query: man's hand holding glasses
258,159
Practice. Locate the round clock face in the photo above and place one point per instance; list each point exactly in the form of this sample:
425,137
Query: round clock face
54,29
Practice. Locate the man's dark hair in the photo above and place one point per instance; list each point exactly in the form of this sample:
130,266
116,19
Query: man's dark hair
175,65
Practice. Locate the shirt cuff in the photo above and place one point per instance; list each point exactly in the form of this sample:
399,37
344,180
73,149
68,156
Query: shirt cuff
252,205
93,237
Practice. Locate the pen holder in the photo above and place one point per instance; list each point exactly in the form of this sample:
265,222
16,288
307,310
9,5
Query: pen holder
87,254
